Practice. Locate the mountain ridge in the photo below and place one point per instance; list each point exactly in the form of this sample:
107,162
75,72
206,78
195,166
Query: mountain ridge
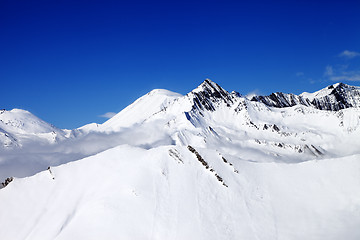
340,96
208,116
207,165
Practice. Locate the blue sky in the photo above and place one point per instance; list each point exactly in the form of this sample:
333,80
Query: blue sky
69,62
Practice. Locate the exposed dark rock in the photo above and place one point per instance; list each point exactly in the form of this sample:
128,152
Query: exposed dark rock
317,150
205,164
313,150
176,155
342,96
7,181
226,161
281,100
276,128
208,95
198,156
52,175
253,125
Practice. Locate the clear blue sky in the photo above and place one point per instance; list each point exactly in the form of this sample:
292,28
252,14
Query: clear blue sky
70,61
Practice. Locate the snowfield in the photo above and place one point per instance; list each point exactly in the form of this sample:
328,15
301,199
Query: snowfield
207,165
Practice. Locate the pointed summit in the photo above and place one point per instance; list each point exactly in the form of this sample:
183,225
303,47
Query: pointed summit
208,85
340,97
338,85
209,93
327,91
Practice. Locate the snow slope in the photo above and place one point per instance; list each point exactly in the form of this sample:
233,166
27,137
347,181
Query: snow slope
166,193
143,108
207,165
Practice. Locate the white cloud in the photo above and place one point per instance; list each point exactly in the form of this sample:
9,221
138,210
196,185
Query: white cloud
349,54
108,115
347,77
341,73
311,81
328,71
253,93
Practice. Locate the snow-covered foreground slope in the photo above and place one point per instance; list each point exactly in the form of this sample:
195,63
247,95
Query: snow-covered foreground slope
167,193
207,165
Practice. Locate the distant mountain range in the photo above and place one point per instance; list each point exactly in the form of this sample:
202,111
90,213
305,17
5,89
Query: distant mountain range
333,98
17,123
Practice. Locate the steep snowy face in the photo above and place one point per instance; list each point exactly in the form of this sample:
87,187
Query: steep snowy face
333,98
7,140
152,103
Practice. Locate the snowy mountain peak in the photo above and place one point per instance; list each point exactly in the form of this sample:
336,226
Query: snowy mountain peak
340,84
335,97
209,94
209,85
144,107
326,91
22,121
19,126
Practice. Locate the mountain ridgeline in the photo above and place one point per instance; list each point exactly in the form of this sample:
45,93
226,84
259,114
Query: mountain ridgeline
19,128
210,164
333,98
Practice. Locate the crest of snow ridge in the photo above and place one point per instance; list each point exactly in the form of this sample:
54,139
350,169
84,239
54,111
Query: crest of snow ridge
208,95
333,98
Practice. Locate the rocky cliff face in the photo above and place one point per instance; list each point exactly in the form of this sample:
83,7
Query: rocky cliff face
341,96
281,100
333,98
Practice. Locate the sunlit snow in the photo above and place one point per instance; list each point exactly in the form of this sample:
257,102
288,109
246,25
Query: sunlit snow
207,165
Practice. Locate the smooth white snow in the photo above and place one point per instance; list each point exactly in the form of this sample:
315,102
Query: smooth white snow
132,193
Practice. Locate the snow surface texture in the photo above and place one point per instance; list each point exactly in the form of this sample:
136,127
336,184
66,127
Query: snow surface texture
207,165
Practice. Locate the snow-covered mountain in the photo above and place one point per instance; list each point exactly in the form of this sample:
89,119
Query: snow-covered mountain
17,126
334,97
208,165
